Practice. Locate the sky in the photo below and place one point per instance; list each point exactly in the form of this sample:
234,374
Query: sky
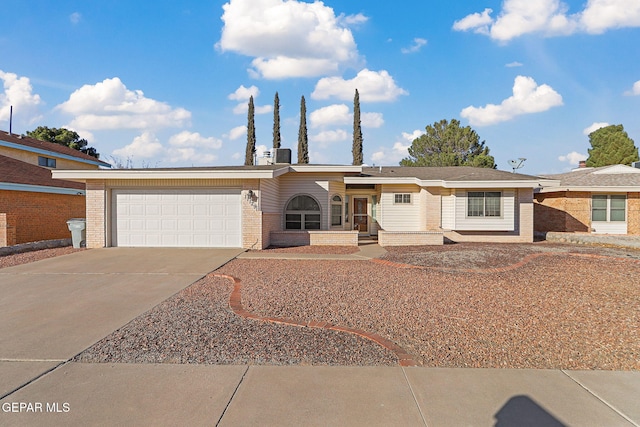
166,84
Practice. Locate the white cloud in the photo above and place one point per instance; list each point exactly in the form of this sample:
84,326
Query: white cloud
514,64
325,138
353,19
527,98
195,140
75,18
602,15
551,18
373,86
415,47
635,89
573,157
19,93
594,127
478,22
110,105
336,114
145,146
399,151
237,132
371,120
243,108
265,30
244,93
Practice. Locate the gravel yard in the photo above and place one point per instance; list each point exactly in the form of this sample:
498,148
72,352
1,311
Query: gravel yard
572,308
465,305
27,257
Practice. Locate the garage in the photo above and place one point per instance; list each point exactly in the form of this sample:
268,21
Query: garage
176,218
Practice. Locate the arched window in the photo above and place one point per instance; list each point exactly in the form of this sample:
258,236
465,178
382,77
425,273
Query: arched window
302,213
336,210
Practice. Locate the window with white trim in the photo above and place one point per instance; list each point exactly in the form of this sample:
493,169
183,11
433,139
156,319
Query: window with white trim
484,204
336,210
402,198
302,213
608,208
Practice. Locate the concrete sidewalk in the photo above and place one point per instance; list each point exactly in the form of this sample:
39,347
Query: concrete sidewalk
77,394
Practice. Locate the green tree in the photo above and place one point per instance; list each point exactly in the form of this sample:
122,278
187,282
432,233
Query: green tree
303,142
251,134
276,122
611,146
356,149
64,137
448,144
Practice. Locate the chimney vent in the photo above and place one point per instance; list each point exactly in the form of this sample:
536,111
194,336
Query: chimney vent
582,164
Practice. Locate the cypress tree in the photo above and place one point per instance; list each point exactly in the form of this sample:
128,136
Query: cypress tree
276,122
357,131
303,143
251,134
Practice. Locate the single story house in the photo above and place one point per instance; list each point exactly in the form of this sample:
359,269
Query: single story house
603,200
33,205
300,204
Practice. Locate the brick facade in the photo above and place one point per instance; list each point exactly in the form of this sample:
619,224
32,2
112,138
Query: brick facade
37,216
633,213
96,221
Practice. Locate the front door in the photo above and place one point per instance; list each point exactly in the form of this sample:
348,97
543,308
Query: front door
360,215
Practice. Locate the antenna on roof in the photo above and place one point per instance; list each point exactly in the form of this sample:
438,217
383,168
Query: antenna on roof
10,119
517,164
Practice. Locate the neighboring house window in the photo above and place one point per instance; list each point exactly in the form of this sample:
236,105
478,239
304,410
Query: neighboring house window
336,210
402,198
483,203
302,213
608,208
47,162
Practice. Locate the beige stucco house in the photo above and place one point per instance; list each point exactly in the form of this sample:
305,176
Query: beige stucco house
604,200
295,204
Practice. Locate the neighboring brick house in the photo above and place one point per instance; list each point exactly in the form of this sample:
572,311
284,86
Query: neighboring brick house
286,204
604,200
33,205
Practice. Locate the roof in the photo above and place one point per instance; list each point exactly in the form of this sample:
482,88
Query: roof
605,177
35,145
14,171
447,173
447,177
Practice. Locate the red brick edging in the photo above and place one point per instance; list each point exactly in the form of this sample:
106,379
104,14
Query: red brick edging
527,259
235,303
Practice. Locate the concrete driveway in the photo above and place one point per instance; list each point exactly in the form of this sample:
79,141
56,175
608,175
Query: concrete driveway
53,309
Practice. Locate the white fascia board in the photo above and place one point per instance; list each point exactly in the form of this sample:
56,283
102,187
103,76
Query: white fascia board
556,189
84,175
383,180
326,168
493,184
9,186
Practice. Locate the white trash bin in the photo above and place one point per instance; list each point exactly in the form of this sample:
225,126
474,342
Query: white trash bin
78,226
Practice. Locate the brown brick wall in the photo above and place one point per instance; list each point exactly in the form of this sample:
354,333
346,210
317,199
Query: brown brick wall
41,216
633,212
562,211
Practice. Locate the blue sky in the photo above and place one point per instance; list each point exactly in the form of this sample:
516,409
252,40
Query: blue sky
166,83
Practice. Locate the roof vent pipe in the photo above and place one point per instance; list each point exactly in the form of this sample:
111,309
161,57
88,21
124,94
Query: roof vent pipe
10,119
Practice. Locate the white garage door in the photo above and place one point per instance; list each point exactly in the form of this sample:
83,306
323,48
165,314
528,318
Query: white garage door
176,218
